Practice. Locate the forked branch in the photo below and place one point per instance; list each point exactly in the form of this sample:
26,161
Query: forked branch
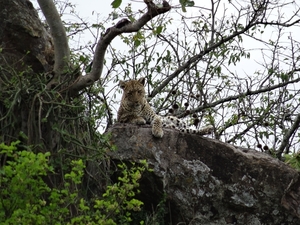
123,26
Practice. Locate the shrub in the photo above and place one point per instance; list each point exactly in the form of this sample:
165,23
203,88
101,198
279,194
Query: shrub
27,199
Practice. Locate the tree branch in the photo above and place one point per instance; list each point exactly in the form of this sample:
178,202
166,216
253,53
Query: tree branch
247,93
194,59
286,137
123,26
58,32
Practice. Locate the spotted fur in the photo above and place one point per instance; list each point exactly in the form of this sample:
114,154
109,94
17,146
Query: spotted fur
174,122
134,108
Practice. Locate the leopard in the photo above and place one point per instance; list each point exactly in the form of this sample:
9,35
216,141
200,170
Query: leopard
134,108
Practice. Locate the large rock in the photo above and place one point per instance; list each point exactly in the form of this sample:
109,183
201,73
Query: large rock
206,181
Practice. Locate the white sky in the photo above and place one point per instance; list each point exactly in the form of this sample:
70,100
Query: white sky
94,11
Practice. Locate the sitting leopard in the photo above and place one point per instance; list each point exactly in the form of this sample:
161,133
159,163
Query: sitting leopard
134,108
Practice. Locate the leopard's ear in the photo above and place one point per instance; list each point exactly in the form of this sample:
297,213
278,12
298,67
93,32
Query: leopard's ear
142,80
122,84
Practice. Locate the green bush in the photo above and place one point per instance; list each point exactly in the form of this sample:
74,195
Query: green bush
25,198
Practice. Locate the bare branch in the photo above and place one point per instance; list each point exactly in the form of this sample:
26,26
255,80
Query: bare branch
123,26
248,93
281,24
58,32
195,59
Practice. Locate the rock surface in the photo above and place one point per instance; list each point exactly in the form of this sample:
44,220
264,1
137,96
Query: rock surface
208,182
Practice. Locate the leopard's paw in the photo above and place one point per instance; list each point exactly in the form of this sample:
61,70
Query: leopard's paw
157,132
140,121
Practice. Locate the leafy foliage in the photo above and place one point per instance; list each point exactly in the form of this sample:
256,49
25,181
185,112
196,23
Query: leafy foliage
293,160
27,199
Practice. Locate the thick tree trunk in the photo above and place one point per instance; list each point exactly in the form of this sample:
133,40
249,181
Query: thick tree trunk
43,119
26,57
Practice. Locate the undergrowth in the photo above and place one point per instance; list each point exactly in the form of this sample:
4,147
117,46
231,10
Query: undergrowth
26,198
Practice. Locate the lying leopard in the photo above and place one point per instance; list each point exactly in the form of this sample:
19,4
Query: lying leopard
134,108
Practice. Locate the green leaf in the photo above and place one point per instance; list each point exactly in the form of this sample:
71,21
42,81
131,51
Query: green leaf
116,3
158,29
137,43
186,3
190,3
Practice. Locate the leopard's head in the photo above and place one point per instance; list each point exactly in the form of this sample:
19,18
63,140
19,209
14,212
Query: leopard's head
133,93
